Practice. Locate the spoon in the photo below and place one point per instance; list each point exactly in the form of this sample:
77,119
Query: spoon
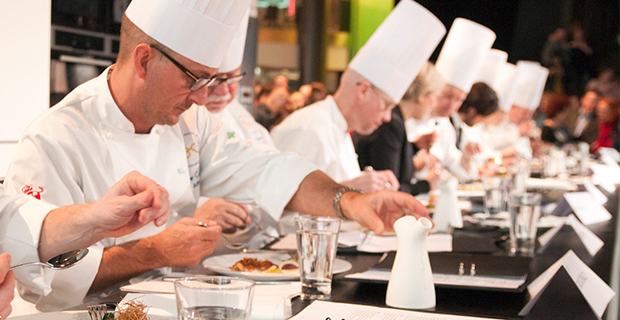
59,262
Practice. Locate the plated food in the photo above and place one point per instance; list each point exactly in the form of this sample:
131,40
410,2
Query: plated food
254,265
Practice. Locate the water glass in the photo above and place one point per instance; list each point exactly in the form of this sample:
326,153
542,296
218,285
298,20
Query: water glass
317,242
493,195
214,297
524,213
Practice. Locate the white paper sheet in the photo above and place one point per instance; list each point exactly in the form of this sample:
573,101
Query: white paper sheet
586,208
375,244
596,292
449,279
605,176
324,309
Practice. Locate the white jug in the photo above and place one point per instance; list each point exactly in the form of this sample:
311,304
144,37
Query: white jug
447,212
411,281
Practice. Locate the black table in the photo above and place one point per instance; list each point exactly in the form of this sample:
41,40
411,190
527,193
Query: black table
484,303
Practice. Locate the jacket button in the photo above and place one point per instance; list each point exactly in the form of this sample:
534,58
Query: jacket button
110,135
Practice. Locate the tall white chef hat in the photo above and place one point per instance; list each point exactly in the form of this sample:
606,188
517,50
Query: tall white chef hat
398,49
200,30
234,56
489,72
531,80
506,85
463,53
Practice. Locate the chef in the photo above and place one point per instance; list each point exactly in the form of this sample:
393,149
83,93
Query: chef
138,115
130,204
375,80
462,55
223,104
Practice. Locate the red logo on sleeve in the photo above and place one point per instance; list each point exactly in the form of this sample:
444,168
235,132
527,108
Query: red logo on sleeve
32,191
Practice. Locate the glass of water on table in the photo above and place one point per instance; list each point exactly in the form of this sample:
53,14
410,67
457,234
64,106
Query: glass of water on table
214,297
317,242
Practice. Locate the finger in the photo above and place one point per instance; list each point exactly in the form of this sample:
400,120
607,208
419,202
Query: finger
6,311
5,265
7,292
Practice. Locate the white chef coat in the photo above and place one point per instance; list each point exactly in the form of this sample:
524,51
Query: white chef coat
506,134
239,120
21,241
78,149
444,147
319,133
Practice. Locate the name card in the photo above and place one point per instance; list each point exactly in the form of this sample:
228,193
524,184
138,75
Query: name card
594,290
586,208
592,243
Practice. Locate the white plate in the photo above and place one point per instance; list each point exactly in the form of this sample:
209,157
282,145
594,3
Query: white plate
221,264
70,315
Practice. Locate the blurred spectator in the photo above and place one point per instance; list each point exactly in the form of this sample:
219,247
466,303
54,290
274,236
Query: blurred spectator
306,90
606,84
582,122
607,113
557,46
318,93
280,81
579,69
273,110
296,101
556,107
263,92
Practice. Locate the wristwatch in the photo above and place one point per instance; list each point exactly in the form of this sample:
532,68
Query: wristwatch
337,198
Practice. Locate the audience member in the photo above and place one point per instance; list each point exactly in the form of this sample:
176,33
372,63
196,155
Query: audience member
273,110
606,84
318,93
607,113
580,67
582,123
388,148
281,81
556,107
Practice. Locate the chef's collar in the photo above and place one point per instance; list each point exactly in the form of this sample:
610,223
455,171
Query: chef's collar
110,113
339,120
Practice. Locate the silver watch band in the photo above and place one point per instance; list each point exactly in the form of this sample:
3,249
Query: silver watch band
338,196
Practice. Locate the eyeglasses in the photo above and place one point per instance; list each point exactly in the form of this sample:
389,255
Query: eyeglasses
199,83
229,80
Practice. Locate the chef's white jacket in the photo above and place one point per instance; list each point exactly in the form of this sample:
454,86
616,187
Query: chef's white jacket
506,134
444,147
21,240
75,151
319,133
239,120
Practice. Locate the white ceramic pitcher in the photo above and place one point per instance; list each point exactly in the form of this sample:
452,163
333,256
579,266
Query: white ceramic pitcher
411,281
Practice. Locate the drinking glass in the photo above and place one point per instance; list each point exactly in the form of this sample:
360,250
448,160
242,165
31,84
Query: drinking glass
524,213
493,195
317,241
214,297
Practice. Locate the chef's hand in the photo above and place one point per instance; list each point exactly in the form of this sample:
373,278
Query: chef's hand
7,285
426,141
131,203
371,181
469,151
423,159
378,211
184,243
228,215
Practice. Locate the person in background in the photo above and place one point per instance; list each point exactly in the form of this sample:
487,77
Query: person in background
377,77
318,93
582,123
296,101
146,113
131,203
388,148
281,81
606,84
556,109
273,111
607,111
261,92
